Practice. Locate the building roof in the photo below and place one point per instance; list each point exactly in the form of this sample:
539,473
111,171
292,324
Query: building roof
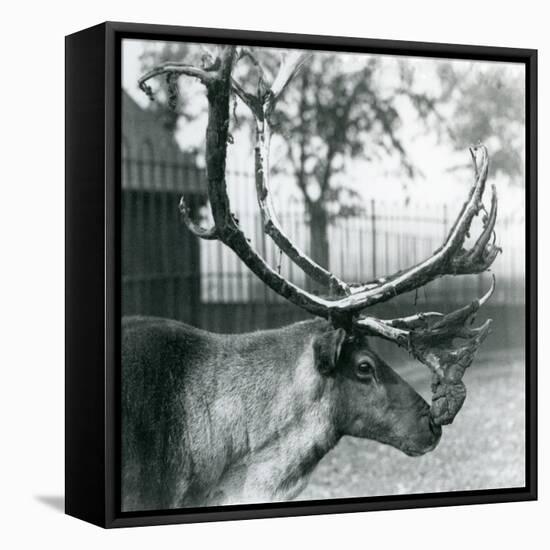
151,156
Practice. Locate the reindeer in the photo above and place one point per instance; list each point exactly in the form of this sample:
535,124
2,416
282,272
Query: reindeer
210,419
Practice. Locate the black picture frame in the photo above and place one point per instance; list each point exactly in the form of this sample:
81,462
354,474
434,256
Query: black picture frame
93,131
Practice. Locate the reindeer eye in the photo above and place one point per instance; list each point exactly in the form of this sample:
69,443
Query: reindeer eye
365,369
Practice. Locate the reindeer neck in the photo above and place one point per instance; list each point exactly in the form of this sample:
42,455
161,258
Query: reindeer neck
288,417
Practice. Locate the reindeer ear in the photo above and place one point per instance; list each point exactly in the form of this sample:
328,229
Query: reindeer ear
326,349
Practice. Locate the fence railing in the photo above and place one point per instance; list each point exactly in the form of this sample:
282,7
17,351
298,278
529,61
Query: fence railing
167,272
388,236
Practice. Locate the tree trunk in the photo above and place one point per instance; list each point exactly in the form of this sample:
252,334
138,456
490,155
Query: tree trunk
318,231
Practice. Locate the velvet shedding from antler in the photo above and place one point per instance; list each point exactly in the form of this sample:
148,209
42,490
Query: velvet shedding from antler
445,343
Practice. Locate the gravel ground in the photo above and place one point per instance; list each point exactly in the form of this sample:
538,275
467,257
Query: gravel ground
483,449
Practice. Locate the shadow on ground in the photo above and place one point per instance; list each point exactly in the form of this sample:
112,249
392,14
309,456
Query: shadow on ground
56,502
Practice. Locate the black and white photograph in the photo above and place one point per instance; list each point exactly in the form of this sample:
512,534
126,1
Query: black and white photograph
271,275
322,275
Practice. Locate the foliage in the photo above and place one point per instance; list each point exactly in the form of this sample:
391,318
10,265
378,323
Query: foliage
488,105
332,114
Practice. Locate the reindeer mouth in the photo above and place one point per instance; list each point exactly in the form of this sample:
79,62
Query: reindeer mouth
410,452
415,452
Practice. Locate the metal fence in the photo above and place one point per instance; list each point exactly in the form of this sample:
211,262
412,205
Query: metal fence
386,237
160,258
167,272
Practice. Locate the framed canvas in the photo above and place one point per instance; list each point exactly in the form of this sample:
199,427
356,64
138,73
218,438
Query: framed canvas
300,274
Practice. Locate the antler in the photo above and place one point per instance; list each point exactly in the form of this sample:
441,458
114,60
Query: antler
261,105
430,336
264,105
219,85
271,224
451,258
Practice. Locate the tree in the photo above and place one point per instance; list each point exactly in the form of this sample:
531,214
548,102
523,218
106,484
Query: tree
488,104
332,115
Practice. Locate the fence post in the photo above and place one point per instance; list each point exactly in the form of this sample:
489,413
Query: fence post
373,228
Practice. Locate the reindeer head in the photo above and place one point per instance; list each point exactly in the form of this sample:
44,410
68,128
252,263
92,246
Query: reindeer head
445,343
370,399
